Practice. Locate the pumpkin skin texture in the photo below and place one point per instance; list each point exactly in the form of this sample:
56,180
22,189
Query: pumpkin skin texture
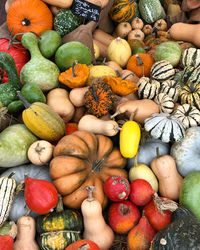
84,158
22,20
90,245
186,152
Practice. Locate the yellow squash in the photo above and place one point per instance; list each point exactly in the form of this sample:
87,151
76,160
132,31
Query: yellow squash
129,139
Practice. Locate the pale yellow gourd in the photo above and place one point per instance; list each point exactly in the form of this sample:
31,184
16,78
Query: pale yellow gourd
26,230
60,3
96,125
58,100
95,227
76,96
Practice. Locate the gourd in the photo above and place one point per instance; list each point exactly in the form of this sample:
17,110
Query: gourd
165,127
40,152
76,96
123,29
190,57
82,244
137,23
8,91
8,185
38,70
136,34
25,234
18,208
88,159
170,181
147,88
171,88
160,24
60,3
190,75
185,32
156,37
21,20
140,109
102,37
147,29
58,100
95,227
165,103
95,125
42,120
162,70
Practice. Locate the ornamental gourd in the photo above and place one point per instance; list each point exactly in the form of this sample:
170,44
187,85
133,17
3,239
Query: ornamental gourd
84,158
148,88
162,70
171,88
190,57
190,94
165,102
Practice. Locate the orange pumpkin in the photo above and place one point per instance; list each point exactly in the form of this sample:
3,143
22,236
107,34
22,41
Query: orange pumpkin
83,244
140,64
29,15
82,159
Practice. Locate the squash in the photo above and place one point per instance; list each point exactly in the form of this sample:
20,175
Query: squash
171,88
186,152
25,234
156,37
123,29
76,96
185,32
165,103
95,227
190,57
83,243
95,125
40,152
58,100
102,37
60,3
170,181
147,29
114,66
147,88
18,207
189,76
161,24
20,19
84,158
136,34
101,47
137,23
162,70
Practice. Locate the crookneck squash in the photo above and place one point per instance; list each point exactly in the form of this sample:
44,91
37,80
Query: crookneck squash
82,159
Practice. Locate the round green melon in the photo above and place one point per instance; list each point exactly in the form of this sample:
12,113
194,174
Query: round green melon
69,52
170,51
190,193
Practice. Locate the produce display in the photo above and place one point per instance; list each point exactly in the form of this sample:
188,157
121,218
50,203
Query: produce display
100,125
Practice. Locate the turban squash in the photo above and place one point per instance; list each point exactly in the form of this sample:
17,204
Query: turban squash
82,159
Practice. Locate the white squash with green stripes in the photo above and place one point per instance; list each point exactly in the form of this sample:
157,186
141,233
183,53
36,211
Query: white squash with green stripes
162,71
191,57
165,102
147,88
171,88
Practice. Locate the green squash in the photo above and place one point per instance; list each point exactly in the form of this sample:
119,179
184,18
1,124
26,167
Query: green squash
169,51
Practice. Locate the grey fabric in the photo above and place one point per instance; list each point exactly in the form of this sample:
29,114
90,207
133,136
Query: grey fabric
2,12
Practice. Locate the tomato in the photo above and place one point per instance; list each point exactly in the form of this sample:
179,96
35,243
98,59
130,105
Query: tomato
6,242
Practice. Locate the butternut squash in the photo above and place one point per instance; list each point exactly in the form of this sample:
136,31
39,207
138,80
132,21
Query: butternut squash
76,96
186,32
26,234
79,112
95,125
102,37
58,100
60,3
170,181
138,109
95,227
114,66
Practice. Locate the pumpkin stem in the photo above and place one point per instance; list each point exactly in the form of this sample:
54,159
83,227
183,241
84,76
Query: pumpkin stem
131,116
74,68
157,152
25,102
139,60
59,207
90,190
11,174
164,204
20,187
136,159
115,114
26,22
28,212
12,39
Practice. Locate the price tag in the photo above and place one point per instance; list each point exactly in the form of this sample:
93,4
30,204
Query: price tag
87,10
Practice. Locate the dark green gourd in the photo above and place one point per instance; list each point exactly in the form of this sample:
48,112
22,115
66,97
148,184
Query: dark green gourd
38,70
8,91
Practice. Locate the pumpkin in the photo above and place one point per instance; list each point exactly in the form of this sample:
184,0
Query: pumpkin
76,76
137,23
135,44
81,159
160,24
88,244
190,75
99,99
162,70
165,127
156,37
188,115
147,29
123,10
190,57
29,15
190,94
165,102
140,64
171,88
148,88
136,34
120,86
18,207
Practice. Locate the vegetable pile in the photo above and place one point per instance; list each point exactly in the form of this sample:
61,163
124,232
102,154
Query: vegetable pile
99,148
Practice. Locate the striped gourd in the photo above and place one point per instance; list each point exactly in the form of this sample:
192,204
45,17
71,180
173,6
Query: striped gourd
188,115
190,75
147,88
165,127
171,88
191,94
162,70
165,103
7,190
123,10
190,57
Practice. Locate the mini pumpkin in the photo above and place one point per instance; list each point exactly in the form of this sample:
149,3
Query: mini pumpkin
76,76
161,24
156,37
190,57
162,70
148,88
188,115
99,98
190,94
82,159
120,86
165,103
171,88
165,127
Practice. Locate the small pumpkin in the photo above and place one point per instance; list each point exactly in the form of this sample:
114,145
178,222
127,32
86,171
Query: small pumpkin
148,88
120,86
156,37
189,115
136,34
76,76
162,70
147,29
140,64
160,24
190,57
165,127
190,75
99,98
190,94
165,102
29,15
137,23
171,88
83,243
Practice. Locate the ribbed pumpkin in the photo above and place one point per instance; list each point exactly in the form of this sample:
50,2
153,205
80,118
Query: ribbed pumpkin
171,88
156,38
81,159
190,75
191,57
190,94
123,10
162,71
165,102
29,15
148,88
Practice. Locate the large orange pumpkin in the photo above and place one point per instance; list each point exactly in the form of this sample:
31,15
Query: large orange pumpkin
82,159
29,15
